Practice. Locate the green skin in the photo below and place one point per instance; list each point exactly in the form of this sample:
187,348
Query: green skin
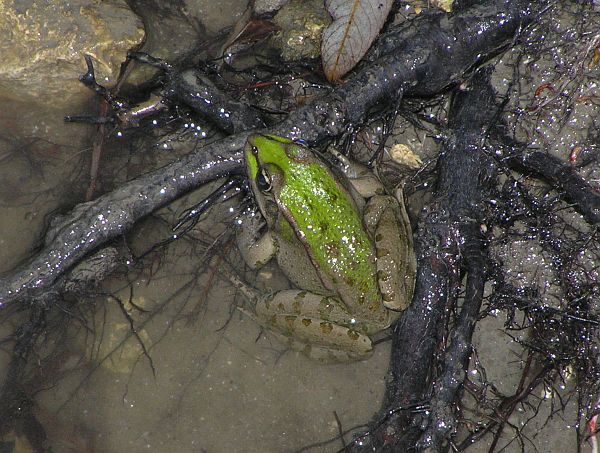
327,243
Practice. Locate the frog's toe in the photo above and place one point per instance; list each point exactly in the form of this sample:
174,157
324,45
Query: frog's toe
330,355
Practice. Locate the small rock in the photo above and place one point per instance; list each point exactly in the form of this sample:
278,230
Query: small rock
301,23
268,6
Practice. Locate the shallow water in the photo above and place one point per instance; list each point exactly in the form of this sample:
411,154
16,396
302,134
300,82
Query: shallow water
216,382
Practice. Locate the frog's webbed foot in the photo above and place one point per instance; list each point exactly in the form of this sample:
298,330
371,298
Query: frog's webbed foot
332,355
251,294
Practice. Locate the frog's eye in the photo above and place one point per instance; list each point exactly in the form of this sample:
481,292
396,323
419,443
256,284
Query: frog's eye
263,181
254,150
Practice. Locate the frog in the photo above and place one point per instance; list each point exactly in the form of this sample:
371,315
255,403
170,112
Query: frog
342,241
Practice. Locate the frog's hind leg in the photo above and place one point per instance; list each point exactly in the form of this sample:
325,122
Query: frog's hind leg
387,221
320,340
318,326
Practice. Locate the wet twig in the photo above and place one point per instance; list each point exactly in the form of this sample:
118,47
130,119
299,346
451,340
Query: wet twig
407,72
450,242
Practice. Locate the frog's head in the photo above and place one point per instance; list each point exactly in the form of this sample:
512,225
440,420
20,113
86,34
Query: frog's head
267,161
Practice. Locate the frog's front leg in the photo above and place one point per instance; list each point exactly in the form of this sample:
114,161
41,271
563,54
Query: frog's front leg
319,326
387,220
256,248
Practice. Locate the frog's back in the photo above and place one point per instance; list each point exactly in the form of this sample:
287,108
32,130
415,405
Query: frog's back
322,215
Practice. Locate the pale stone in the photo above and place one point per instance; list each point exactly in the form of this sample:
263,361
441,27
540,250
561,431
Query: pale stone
43,44
301,23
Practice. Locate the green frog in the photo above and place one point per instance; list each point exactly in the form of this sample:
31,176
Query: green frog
342,241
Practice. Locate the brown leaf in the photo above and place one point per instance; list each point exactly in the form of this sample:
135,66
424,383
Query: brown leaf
355,25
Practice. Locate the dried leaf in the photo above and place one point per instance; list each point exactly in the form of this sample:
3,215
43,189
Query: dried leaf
355,25
245,33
